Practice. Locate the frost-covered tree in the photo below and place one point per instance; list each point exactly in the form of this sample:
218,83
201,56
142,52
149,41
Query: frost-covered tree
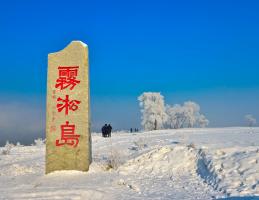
187,115
153,110
203,121
175,116
192,113
251,121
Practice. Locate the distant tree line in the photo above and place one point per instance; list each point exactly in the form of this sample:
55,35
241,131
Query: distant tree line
156,115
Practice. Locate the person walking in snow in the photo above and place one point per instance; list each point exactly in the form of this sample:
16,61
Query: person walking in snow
105,130
109,130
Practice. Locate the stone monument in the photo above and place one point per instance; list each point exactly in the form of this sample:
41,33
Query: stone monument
68,137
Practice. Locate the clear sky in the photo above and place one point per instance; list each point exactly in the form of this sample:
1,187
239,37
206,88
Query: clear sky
206,51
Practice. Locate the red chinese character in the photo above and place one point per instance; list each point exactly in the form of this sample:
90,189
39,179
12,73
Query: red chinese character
67,77
68,135
67,105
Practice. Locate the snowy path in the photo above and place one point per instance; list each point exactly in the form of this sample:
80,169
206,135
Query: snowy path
170,164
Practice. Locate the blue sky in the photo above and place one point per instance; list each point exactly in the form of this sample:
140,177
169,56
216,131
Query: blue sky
206,51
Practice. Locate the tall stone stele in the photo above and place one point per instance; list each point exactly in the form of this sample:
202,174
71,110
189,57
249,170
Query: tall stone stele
68,137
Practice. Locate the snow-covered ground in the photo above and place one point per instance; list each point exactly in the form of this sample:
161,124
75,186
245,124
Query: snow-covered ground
167,164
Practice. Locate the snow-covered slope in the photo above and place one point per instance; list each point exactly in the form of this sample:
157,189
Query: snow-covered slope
167,164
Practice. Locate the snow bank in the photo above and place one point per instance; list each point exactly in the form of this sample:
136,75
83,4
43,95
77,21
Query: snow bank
163,161
166,164
234,171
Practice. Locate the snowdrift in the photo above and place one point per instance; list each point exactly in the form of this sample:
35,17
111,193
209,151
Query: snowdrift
168,164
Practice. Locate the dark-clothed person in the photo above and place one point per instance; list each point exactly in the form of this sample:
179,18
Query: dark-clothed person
109,129
105,131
